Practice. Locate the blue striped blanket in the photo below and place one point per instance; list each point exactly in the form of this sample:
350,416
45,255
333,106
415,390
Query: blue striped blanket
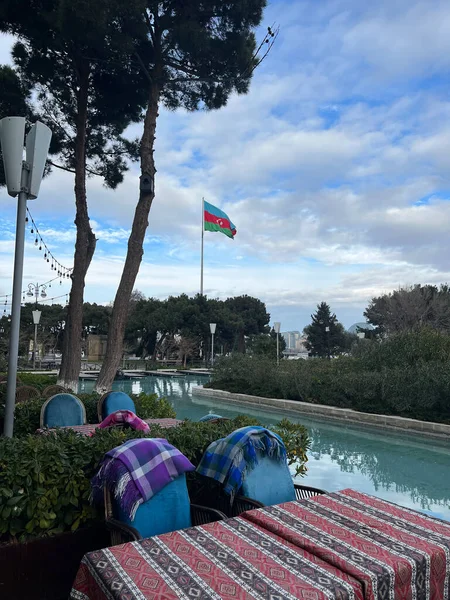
227,460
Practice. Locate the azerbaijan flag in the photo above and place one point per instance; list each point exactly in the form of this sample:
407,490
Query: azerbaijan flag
216,220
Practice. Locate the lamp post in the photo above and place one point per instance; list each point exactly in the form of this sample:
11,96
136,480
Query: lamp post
36,318
33,290
212,328
23,180
277,327
327,331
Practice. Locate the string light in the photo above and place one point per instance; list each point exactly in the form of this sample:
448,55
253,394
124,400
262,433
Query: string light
63,272
24,292
42,300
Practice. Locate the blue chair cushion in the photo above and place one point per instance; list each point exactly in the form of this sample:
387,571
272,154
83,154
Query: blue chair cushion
63,410
117,401
209,417
270,482
168,510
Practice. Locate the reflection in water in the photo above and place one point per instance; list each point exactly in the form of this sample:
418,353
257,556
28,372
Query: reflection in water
410,470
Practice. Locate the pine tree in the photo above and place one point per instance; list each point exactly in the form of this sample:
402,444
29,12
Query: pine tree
76,62
194,54
326,337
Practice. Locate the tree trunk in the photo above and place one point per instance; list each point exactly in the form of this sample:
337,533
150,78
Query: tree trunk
134,253
69,372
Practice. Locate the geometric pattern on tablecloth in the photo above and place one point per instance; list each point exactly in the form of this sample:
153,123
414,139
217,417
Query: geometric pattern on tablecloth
178,575
330,580
416,578
412,527
246,574
376,577
109,575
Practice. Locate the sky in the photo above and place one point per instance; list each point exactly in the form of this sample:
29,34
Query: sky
334,169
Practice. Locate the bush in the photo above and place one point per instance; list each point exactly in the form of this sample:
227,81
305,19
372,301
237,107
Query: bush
45,479
37,380
405,375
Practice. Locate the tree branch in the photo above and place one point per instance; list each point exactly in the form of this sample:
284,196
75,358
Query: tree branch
50,162
143,67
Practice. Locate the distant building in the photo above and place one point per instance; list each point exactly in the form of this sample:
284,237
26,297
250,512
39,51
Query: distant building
291,338
295,345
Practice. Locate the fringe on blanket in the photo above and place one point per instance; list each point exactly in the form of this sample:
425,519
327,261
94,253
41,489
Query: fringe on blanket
115,476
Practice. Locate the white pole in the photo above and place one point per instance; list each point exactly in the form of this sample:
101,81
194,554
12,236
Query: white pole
203,235
278,349
277,327
212,350
35,346
15,310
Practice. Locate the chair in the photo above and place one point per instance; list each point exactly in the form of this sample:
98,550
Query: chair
269,483
248,469
169,510
27,392
62,410
210,418
51,390
112,401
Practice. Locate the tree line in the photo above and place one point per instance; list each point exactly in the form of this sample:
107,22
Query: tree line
177,326
406,309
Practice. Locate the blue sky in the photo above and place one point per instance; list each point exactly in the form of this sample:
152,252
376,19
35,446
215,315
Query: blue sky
334,168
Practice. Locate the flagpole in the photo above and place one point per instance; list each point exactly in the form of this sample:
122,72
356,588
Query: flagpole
203,235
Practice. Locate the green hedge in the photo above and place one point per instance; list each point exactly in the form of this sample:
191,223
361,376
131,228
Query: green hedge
407,375
45,479
37,380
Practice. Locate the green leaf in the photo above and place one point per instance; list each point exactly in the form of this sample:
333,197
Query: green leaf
14,500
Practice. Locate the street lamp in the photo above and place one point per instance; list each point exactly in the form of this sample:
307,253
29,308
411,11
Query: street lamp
277,327
36,318
33,290
327,330
212,328
23,180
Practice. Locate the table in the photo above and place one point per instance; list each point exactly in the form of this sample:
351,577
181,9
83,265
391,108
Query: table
89,428
223,560
395,553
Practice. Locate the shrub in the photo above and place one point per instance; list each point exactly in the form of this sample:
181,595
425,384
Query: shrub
45,479
37,380
405,375
149,406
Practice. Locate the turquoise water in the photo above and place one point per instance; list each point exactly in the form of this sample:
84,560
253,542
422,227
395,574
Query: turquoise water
412,471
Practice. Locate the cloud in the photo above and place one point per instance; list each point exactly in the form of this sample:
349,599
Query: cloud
334,169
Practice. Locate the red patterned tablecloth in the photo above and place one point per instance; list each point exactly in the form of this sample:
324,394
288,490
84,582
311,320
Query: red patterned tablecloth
89,428
224,560
396,553
164,423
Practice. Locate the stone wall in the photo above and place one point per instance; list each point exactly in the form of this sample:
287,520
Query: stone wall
330,412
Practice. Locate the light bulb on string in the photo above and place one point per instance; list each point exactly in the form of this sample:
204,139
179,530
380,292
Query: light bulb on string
36,242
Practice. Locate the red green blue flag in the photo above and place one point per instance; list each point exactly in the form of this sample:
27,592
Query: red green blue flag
216,220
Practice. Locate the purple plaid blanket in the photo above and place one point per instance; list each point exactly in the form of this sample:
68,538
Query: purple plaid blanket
137,470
